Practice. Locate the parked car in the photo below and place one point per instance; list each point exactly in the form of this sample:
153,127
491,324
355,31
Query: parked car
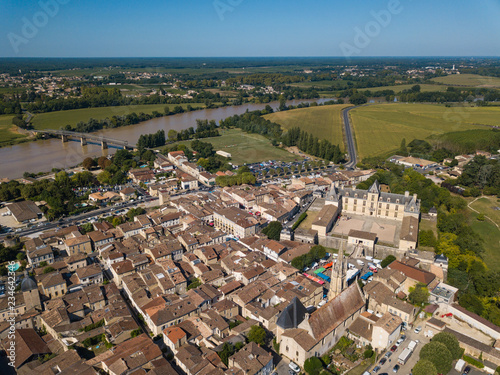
382,361
418,329
393,348
388,354
396,368
467,370
294,367
376,369
399,342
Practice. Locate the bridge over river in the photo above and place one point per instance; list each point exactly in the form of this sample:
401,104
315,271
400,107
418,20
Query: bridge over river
87,137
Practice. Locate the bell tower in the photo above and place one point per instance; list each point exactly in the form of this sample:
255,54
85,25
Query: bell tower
337,283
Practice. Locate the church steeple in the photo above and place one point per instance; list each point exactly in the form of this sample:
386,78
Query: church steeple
338,275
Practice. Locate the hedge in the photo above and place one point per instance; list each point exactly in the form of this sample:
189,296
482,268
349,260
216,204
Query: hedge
301,218
473,361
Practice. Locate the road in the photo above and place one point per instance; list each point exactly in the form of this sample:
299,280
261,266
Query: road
351,146
71,220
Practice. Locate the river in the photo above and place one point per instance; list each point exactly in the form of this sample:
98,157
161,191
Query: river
53,153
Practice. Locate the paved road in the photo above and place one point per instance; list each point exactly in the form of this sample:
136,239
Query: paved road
351,147
71,220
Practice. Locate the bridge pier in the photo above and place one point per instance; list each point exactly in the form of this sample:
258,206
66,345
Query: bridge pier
104,145
83,141
64,138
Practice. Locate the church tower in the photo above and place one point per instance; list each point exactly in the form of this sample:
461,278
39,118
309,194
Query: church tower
337,283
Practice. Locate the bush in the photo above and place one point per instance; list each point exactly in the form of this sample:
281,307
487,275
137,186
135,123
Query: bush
387,260
257,334
313,365
367,353
135,332
473,361
273,230
326,359
301,218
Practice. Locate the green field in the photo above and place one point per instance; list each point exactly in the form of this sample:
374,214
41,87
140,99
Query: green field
324,122
55,120
246,148
471,80
398,88
379,129
320,84
7,137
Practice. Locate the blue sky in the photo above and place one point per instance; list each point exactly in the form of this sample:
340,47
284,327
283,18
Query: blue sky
168,28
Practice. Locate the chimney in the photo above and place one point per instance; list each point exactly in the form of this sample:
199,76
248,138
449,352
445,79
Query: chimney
415,196
407,194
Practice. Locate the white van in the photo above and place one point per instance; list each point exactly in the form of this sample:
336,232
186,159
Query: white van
360,262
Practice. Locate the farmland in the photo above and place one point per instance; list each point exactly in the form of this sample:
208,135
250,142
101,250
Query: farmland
379,129
55,120
470,80
247,148
324,122
398,88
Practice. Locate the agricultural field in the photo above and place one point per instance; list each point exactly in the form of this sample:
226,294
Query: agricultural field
488,231
398,88
8,137
246,148
470,80
324,122
379,129
55,120
320,84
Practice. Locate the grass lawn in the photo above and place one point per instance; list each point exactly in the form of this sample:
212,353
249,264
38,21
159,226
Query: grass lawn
471,80
7,137
311,217
379,129
428,224
247,148
55,120
324,122
486,205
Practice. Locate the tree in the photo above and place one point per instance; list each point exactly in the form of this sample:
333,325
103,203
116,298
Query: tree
88,163
387,260
437,353
358,99
313,365
86,228
257,335
418,294
172,135
451,343
424,367
48,269
273,230
226,352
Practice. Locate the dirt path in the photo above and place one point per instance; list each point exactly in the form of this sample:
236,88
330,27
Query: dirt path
477,212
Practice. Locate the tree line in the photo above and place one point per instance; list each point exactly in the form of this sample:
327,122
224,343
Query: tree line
311,145
151,140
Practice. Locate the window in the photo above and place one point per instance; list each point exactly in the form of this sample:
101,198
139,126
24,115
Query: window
364,203
386,213
395,214
355,201
397,208
387,206
380,205
388,199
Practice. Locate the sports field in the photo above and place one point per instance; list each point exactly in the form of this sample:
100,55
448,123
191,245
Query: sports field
55,120
470,80
247,148
7,137
379,129
324,122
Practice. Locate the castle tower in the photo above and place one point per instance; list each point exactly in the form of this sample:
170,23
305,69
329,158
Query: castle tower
337,283
30,292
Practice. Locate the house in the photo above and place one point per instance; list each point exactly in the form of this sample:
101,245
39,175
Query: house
361,238
101,198
25,347
235,221
408,236
53,285
79,244
379,332
410,161
99,238
134,354
90,275
25,211
127,193
177,157
252,360
43,254
413,274
325,219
